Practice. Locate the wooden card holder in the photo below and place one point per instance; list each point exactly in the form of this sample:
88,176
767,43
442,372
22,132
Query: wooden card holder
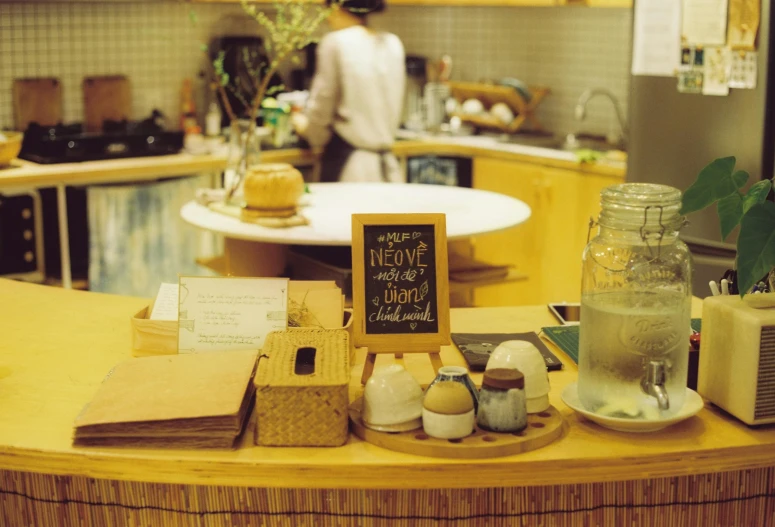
153,337
160,337
400,286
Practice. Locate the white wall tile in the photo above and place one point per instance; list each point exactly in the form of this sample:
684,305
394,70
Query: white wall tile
156,45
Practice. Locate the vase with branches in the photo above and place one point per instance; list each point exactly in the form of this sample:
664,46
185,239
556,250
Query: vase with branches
287,27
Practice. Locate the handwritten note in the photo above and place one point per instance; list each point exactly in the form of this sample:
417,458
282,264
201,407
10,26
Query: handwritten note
656,41
704,22
165,307
400,279
224,314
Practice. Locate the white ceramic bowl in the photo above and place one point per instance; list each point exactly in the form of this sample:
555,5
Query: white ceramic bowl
525,357
445,426
392,400
472,107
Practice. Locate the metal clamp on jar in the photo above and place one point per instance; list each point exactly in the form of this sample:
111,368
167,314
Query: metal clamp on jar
635,305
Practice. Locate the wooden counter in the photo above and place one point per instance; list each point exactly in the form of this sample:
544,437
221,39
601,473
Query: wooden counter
57,345
27,174
32,175
491,149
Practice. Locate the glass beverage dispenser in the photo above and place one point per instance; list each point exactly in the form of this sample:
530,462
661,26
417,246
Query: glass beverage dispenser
635,306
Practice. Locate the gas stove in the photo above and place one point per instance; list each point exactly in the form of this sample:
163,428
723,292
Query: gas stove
68,143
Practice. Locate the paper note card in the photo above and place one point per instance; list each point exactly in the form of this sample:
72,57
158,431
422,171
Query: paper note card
165,307
718,66
656,37
744,69
743,26
704,22
225,314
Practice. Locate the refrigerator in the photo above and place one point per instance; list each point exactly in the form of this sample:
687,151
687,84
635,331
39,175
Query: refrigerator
674,135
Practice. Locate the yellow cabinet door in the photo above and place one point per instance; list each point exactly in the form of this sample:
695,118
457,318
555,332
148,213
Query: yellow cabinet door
547,247
563,242
519,246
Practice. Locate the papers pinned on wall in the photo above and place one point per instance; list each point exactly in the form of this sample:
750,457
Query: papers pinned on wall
717,70
704,22
744,69
656,45
709,45
744,17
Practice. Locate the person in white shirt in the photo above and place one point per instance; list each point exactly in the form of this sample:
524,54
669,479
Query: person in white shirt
355,103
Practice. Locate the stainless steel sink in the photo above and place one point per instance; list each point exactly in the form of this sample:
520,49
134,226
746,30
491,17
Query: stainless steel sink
561,143
600,145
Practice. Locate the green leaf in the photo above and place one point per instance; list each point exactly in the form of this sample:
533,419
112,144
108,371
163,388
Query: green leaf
756,245
739,178
203,47
756,194
713,183
730,212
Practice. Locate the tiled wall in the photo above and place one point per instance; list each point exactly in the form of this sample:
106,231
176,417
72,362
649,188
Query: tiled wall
565,48
157,45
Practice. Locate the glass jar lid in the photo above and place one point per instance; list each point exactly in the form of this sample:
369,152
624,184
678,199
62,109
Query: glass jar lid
646,206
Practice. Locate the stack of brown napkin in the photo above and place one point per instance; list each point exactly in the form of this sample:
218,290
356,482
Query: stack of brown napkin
199,400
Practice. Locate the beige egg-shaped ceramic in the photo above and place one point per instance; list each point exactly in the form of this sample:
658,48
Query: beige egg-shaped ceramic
273,187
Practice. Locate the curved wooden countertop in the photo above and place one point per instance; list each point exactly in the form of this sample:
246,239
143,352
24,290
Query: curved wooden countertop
57,345
27,174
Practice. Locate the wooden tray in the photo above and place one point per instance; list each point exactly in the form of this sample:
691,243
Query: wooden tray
541,430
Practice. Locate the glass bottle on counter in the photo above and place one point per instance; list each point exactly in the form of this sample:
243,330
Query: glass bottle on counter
244,151
635,305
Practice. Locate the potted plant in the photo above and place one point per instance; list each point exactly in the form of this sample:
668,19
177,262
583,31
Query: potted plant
288,26
720,184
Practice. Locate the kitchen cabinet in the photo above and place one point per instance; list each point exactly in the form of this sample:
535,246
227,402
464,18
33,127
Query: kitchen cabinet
547,248
598,3
484,3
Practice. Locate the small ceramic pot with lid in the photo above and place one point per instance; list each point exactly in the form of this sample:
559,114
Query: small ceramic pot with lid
502,401
525,357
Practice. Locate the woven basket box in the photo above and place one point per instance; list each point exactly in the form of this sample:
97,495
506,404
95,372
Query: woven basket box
302,388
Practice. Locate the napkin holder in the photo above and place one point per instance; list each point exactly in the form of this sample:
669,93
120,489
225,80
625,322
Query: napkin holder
737,358
302,388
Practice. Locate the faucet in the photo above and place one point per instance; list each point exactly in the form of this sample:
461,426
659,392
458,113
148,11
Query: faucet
590,93
654,383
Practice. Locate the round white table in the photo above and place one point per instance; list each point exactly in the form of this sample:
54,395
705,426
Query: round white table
329,207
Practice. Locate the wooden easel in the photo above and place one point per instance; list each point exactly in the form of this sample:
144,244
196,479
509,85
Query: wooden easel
371,359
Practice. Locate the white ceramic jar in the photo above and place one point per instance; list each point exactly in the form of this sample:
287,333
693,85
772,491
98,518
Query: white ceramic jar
392,400
525,357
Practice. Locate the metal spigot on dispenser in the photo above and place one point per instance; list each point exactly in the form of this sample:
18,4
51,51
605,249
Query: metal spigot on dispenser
653,383
635,305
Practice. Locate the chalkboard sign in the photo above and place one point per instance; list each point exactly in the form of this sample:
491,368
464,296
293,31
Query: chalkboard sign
400,282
